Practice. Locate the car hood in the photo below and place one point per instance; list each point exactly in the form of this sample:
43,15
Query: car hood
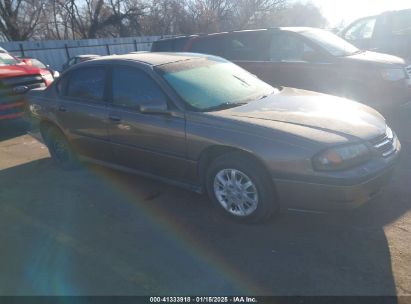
18,70
314,110
369,57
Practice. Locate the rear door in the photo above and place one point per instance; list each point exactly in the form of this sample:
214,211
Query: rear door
82,111
153,143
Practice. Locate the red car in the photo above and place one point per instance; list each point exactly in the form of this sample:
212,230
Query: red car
37,63
16,78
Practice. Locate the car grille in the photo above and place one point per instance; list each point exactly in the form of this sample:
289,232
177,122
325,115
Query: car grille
10,86
384,145
408,70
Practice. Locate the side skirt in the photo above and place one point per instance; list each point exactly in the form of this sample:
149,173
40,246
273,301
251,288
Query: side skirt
191,187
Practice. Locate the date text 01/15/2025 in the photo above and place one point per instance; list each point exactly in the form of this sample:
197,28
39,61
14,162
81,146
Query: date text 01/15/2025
203,299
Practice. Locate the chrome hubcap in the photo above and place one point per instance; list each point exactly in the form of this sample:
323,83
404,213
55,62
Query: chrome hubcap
236,192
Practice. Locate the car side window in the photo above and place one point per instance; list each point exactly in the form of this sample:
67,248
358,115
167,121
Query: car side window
208,45
179,44
71,61
245,46
38,63
132,88
362,29
87,83
289,48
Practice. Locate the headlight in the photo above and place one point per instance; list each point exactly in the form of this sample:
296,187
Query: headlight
393,74
341,157
389,133
48,78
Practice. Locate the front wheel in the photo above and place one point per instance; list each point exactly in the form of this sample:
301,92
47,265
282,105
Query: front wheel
238,186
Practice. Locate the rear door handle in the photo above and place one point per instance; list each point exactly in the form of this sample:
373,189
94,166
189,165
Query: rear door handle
62,109
114,118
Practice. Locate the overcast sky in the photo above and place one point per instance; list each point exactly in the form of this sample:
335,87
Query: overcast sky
349,10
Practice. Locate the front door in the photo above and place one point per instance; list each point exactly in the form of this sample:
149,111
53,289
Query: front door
154,143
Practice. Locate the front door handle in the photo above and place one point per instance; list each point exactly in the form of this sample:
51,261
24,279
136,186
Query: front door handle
114,118
62,109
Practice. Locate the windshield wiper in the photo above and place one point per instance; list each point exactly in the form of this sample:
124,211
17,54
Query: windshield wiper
242,80
225,106
266,95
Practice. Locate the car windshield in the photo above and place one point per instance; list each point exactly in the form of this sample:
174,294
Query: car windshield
7,59
38,63
208,85
330,42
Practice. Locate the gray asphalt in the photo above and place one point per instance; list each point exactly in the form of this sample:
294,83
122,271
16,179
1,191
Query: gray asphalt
96,231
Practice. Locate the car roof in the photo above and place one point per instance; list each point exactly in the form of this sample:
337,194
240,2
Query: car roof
153,58
289,28
297,29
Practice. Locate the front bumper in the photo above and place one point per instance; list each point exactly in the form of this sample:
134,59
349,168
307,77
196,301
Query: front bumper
338,190
305,195
12,107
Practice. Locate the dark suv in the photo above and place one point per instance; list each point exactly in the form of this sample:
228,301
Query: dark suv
388,33
307,58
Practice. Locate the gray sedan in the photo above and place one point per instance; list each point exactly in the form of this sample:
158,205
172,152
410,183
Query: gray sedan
206,124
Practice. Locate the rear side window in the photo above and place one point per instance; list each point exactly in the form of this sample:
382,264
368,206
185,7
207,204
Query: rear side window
71,61
235,46
288,48
180,43
87,84
246,46
162,46
170,45
133,87
208,45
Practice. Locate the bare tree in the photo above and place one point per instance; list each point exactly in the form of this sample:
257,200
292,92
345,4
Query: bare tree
73,19
20,18
298,14
209,15
250,13
163,17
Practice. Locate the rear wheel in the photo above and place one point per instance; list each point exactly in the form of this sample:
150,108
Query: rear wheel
60,149
240,188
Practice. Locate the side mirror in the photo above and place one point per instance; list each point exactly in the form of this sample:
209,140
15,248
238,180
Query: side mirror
154,107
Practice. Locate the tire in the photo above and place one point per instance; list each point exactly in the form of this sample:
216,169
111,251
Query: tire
60,150
251,198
